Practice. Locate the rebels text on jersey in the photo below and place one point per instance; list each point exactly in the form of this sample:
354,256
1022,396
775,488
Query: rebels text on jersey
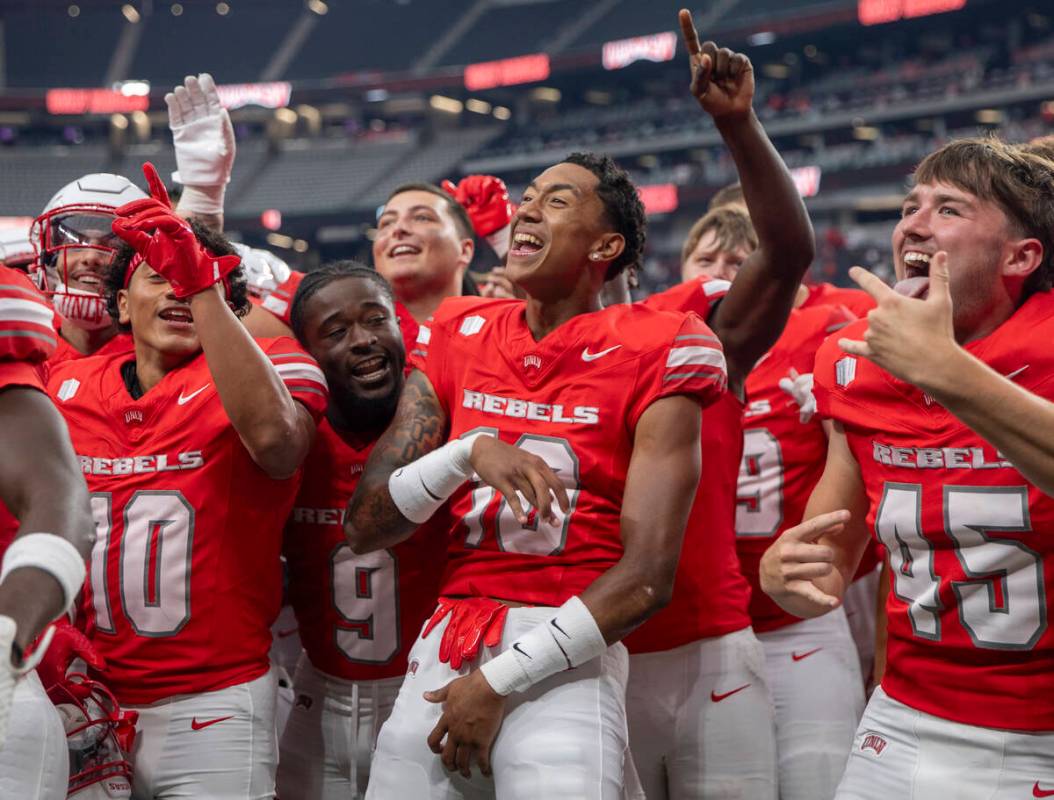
783,457
185,574
574,399
358,616
968,538
710,594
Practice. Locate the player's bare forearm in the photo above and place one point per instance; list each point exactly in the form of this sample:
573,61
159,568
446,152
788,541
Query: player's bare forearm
660,487
1018,423
752,316
275,429
211,221
42,485
373,521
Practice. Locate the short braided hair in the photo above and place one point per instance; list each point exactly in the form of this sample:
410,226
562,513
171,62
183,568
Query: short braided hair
323,276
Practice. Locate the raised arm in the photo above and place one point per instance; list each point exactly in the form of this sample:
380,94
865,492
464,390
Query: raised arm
751,317
204,142
275,429
1018,423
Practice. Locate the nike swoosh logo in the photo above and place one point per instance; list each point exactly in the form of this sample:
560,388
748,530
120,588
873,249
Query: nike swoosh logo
1011,376
195,725
717,698
800,656
587,356
520,650
553,623
1039,792
187,398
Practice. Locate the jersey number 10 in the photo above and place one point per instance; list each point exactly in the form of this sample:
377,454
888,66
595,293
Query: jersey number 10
538,537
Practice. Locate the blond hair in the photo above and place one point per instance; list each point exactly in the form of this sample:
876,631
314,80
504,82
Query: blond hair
731,226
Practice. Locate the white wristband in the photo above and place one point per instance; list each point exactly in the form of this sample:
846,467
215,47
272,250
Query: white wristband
569,639
499,241
52,554
422,486
201,199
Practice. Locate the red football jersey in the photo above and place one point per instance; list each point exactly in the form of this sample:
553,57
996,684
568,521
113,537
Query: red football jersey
27,339
710,594
857,301
967,536
121,344
358,615
574,399
783,457
280,301
185,574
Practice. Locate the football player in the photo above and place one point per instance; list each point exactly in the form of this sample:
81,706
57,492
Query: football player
701,718
46,534
576,503
358,615
423,248
941,447
75,246
192,446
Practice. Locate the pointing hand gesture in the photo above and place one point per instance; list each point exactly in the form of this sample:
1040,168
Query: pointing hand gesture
909,338
722,81
790,566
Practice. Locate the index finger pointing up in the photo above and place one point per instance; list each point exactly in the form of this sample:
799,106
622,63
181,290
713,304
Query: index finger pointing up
691,37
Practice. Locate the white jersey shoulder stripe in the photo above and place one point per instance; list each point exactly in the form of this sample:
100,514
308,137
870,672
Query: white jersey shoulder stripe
683,356
30,311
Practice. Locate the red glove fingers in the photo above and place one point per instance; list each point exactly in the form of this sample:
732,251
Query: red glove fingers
157,186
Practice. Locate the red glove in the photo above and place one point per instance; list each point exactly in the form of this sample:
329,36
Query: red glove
474,621
67,644
486,199
166,242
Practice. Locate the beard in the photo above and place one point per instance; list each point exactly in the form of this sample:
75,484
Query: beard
362,415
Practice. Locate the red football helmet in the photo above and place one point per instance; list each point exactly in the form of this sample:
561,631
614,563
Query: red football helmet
98,735
75,245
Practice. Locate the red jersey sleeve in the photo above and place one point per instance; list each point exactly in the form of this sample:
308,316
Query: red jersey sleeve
27,330
692,363
299,372
280,301
699,295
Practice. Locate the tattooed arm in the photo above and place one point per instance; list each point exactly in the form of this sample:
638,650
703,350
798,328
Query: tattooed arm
372,521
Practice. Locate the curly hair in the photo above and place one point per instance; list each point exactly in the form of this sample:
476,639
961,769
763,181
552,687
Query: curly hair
323,276
1019,181
622,205
213,241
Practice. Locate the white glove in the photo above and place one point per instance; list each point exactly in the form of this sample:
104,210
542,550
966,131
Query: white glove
204,141
9,673
799,387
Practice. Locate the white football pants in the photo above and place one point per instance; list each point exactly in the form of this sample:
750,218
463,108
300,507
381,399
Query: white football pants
563,738
34,762
329,740
906,754
219,745
814,675
860,604
701,721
